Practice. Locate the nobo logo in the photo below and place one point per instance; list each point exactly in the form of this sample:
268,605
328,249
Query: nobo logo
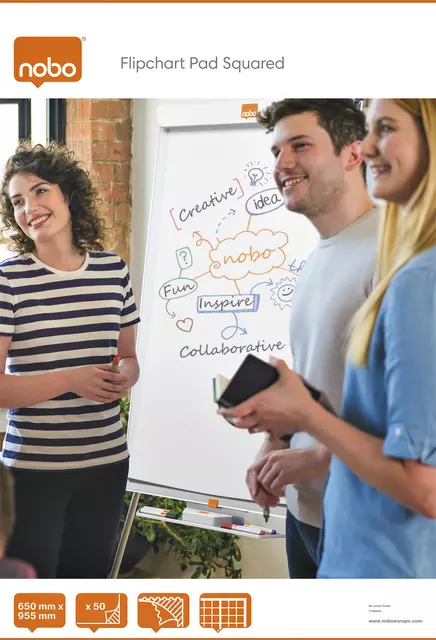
40,60
249,110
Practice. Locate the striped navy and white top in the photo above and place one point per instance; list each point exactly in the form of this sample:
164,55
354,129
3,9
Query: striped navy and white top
57,320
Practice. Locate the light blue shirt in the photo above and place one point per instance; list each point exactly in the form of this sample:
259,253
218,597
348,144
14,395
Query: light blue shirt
366,533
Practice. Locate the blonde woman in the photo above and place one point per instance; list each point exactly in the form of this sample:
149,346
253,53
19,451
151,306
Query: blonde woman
380,500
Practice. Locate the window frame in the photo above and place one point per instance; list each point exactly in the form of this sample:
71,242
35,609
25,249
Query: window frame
57,120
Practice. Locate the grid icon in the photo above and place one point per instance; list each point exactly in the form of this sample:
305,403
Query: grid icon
225,610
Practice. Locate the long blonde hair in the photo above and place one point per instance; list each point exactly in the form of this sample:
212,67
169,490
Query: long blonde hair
403,233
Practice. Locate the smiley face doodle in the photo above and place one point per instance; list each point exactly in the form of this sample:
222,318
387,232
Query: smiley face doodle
283,292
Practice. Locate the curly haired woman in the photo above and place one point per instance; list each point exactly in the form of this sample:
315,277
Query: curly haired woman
66,309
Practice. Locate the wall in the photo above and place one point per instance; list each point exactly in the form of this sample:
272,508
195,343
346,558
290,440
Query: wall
100,132
261,558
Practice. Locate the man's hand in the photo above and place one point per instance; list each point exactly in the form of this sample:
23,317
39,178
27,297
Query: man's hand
290,466
323,399
258,492
281,409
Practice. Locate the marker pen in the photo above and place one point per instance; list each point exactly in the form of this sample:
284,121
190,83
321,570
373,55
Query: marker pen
264,529
115,365
243,527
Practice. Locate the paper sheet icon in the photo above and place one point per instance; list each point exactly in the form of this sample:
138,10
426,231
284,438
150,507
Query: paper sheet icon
163,610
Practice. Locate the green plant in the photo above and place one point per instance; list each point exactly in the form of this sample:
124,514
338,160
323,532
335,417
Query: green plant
202,549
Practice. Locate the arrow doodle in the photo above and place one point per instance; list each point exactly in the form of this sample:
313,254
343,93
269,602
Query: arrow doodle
231,213
234,328
170,313
268,284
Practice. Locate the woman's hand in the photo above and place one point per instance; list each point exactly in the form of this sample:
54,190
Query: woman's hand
281,409
98,383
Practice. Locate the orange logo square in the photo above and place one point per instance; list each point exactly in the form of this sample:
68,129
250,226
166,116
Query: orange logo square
249,111
52,59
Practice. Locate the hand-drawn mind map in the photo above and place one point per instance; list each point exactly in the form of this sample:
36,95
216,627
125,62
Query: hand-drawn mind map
258,253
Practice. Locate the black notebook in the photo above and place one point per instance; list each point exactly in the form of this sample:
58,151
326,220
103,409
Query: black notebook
254,375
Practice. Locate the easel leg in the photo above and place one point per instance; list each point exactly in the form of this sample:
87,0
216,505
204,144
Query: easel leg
125,535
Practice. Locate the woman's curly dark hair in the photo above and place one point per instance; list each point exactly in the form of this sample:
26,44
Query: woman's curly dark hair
57,165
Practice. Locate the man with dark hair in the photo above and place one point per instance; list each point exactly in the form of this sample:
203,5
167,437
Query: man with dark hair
342,119
320,174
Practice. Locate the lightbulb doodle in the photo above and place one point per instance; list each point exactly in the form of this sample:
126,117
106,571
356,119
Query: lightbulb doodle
258,175
234,257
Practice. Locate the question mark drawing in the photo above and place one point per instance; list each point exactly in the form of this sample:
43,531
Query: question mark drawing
255,174
184,258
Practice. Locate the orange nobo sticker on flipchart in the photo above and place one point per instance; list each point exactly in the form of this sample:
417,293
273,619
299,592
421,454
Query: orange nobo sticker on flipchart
213,503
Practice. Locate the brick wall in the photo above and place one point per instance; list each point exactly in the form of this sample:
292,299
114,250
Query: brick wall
100,132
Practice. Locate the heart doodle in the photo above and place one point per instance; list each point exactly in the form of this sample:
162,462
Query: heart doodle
185,325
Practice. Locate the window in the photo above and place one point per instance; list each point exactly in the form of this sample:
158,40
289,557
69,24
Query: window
14,125
37,119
